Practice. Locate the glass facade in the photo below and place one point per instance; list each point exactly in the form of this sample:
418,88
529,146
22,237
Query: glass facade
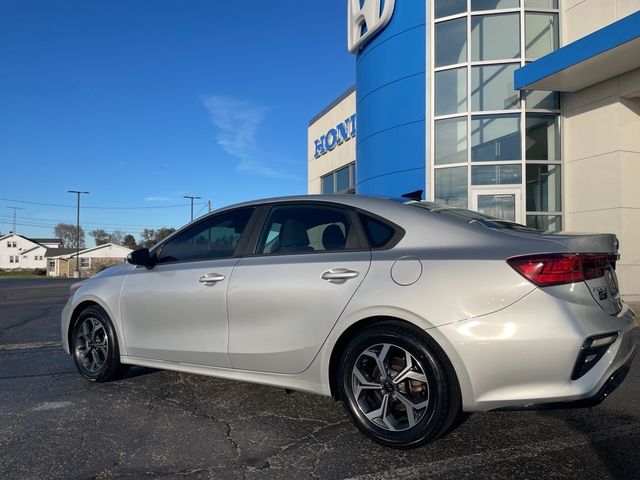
484,134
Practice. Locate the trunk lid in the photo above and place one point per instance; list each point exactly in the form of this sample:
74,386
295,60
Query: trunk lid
604,288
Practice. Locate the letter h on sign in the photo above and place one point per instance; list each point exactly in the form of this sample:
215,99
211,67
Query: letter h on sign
319,144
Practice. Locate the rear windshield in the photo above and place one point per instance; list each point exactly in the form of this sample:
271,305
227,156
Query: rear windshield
470,216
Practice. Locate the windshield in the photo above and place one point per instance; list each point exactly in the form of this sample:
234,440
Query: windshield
470,216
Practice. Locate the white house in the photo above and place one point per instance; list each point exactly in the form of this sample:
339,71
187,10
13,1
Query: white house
92,260
17,251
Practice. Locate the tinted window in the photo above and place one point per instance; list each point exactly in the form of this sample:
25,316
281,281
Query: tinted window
305,228
216,237
378,233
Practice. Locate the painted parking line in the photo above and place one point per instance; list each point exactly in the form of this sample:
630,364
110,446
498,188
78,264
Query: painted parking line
29,346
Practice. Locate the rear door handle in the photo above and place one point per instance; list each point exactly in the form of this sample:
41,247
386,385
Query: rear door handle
339,275
211,278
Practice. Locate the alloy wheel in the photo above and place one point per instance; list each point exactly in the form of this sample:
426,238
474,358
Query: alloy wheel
92,345
390,387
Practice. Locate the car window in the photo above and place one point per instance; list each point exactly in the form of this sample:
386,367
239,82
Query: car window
215,237
378,233
305,228
471,216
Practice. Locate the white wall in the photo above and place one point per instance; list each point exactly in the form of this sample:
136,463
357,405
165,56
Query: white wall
582,17
106,251
602,168
6,251
341,155
30,262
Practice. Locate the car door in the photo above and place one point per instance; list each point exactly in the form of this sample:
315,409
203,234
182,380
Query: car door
177,311
283,300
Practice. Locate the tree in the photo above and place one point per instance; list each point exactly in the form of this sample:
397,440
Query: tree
116,237
68,233
147,237
100,236
150,237
129,241
163,233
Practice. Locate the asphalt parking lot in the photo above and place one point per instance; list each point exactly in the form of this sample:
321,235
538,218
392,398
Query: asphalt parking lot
157,424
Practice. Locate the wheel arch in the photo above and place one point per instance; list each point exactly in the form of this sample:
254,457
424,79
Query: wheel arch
451,360
78,309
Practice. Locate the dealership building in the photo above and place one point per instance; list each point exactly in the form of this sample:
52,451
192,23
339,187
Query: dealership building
528,110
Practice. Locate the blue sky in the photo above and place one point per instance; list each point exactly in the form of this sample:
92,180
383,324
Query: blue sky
142,102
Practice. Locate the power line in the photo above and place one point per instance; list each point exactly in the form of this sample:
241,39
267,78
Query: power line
54,222
53,226
58,205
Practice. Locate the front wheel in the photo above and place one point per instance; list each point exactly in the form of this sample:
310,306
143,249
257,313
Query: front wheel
95,347
397,386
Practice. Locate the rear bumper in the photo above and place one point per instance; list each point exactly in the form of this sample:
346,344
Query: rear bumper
612,383
523,356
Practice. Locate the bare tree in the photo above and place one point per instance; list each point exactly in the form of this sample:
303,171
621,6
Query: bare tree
100,236
150,237
67,233
116,237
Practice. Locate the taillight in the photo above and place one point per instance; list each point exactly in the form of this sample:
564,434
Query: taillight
556,269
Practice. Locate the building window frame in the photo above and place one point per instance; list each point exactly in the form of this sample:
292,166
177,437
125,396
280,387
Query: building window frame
334,180
521,110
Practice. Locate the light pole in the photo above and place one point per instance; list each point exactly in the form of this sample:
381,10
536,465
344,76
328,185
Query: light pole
78,193
192,198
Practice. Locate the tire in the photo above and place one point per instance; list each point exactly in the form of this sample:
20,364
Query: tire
94,346
414,400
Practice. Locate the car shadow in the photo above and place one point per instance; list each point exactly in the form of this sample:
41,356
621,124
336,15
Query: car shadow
612,436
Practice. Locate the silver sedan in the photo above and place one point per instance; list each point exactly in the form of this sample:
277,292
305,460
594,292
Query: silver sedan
410,313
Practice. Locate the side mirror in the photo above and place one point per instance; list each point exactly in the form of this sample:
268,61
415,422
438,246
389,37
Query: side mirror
140,257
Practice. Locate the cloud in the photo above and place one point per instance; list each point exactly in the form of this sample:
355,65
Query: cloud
156,199
237,122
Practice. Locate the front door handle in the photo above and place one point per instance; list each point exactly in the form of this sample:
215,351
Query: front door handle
211,278
339,275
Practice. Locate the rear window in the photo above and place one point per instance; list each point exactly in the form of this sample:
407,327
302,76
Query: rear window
378,233
471,216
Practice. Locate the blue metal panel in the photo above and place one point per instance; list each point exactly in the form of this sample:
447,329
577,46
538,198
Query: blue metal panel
394,184
398,158
390,96
391,61
407,14
397,103
597,43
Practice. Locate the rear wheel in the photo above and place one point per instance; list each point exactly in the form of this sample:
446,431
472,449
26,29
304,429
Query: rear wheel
95,347
397,386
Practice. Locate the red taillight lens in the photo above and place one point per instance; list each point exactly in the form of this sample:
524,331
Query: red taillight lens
557,269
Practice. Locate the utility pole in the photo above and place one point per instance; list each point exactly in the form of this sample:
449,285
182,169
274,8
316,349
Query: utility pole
209,206
14,217
192,199
78,193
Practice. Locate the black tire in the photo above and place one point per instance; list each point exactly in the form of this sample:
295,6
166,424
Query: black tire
94,346
432,387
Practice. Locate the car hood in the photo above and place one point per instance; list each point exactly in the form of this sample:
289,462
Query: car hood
120,269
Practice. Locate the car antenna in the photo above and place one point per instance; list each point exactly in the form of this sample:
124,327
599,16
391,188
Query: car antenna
417,195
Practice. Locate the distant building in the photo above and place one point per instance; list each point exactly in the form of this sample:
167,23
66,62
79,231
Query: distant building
18,252
92,260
